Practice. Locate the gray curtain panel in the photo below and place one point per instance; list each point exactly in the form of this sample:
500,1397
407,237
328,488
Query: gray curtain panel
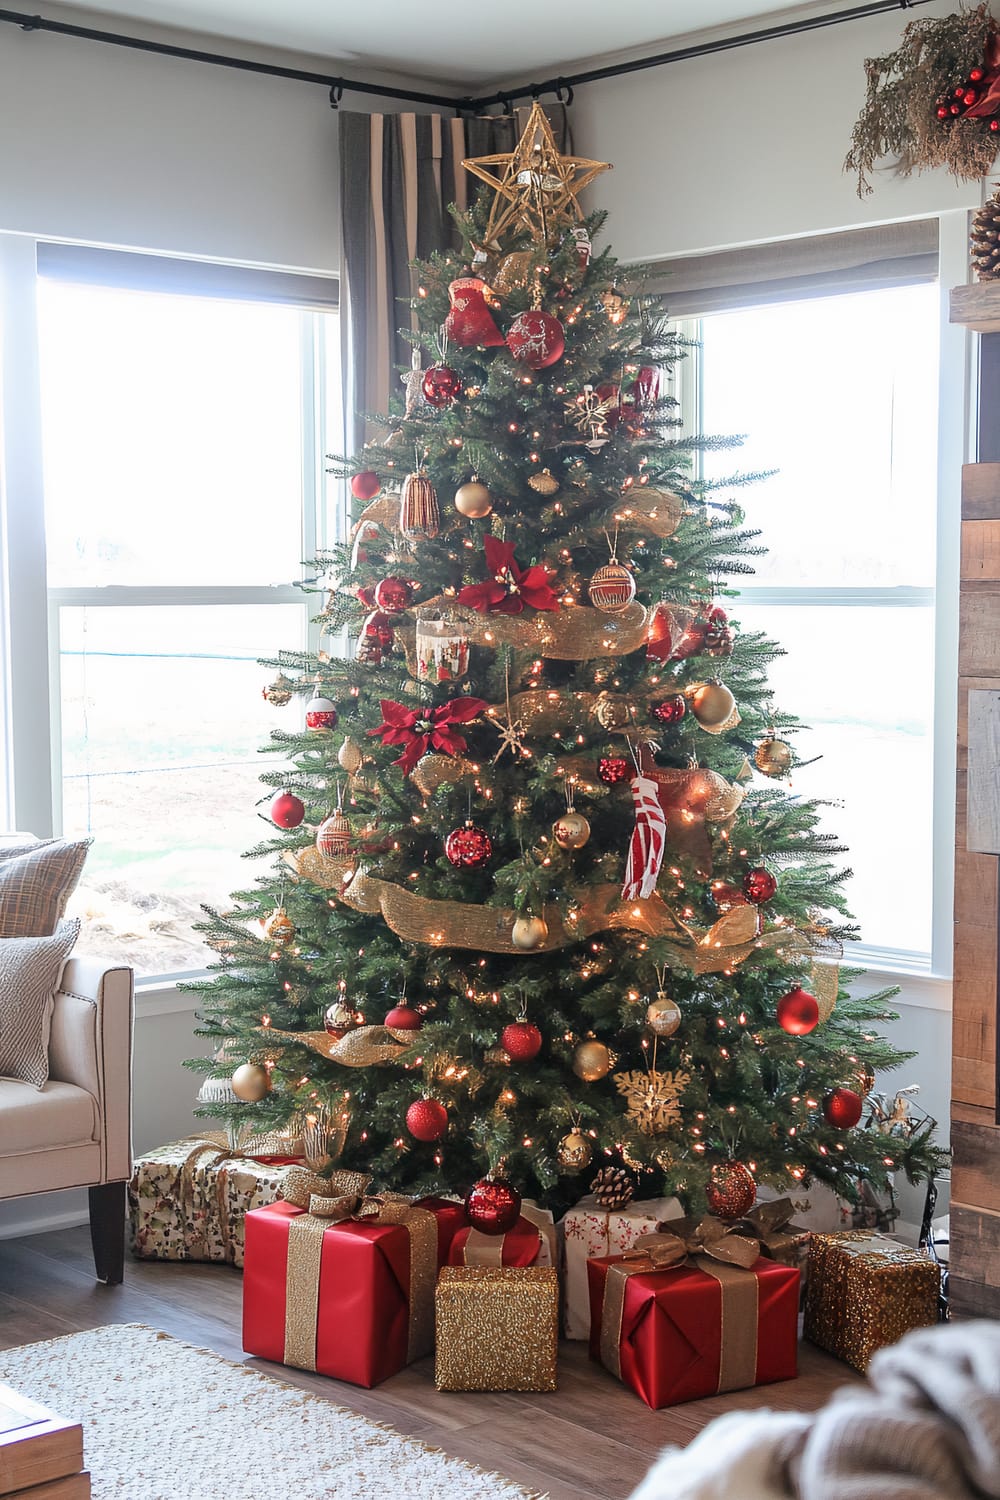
398,174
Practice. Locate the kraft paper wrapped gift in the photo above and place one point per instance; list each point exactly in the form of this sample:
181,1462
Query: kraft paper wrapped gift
589,1230
345,1285
864,1291
188,1200
694,1313
497,1328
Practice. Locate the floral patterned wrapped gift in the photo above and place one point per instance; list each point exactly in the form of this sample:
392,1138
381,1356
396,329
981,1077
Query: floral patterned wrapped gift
188,1200
589,1230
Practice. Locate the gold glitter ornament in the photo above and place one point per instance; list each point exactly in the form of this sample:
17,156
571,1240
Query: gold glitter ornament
652,1100
251,1082
419,515
513,272
712,704
574,1151
613,712
279,927
350,755
473,500
571,831
591,1060
529,933
773,757
544,483
663,1015
279,692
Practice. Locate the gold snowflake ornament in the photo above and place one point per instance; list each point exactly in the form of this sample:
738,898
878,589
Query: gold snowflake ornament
652,1100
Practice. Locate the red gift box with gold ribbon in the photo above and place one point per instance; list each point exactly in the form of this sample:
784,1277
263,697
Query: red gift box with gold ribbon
685,1315
532,1242
345,1285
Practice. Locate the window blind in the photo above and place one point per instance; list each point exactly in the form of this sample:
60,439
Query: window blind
136,271
856,260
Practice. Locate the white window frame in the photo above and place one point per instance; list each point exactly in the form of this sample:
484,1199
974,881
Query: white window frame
926,977
31,788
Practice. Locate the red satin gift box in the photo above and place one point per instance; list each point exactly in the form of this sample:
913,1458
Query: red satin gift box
670,1343
363,1308
518,1247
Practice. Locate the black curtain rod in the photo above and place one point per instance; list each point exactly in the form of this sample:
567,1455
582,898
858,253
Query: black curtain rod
562,86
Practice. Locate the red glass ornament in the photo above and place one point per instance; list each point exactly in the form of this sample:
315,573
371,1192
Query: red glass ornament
320,714
759,885
610,392
365,486
797,1012
366,597
843,1109
378,628
470,320
468,848
646,388
393,595
493,1205
671,710
427,1119
727,896
611,769
731,1191
441,384
536,339
521,1040
404,1018
287,810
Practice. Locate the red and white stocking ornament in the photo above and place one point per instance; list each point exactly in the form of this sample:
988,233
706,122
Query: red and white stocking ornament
470,321
649,841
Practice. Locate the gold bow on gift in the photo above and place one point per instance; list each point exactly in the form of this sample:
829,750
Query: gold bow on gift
771,1224
706,1245
331,1200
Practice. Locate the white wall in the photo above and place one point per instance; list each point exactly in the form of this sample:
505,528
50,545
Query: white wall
747,145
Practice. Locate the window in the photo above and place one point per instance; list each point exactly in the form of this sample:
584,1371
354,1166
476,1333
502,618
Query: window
184,423
839,395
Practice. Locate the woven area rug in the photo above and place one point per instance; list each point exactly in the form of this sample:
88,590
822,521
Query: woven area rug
163,1420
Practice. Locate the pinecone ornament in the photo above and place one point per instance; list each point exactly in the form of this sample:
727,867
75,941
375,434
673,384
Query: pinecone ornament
985,239
612,1187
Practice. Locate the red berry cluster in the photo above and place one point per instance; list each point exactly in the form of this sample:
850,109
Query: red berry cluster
962,98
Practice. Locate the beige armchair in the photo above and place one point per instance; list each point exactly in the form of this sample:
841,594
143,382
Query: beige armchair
77,1131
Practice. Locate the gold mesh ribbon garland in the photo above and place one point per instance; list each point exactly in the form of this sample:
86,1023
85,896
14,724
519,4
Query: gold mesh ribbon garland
569,634
719,1252
361,1047
332,1200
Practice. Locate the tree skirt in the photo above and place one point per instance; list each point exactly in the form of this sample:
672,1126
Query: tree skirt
163,1420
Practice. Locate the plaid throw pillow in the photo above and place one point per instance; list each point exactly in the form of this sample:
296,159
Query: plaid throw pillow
35,886
30,969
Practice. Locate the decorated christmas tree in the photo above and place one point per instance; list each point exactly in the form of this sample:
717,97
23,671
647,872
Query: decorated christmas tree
542,899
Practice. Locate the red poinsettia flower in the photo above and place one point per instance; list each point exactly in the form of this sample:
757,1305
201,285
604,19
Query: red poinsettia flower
424,729
509,587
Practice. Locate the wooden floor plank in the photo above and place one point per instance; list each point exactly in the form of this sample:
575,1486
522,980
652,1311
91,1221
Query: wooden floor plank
590,1440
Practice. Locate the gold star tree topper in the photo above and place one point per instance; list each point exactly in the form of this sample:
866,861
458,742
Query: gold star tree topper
536,187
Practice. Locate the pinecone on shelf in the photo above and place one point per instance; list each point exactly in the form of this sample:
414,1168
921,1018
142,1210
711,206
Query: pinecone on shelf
612,1187
985,239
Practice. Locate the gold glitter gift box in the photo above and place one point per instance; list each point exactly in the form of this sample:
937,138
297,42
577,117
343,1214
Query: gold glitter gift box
497,1328
864,1291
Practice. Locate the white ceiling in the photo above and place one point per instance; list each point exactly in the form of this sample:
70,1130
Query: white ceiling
450,41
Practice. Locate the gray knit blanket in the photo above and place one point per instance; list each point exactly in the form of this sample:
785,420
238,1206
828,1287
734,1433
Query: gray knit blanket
925,1427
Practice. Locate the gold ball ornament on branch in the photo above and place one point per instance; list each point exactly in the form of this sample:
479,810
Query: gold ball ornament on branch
663,1015
612,588
712,704
473,500
591,1060
251,1082
279,927
279,693
773,757
529,933
572,830
350,755
544,484
574,1151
